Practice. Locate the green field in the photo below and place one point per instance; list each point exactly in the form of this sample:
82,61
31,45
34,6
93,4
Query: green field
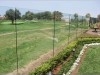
91,63
34,39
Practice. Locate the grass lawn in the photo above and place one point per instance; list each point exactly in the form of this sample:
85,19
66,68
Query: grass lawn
34,39
91,63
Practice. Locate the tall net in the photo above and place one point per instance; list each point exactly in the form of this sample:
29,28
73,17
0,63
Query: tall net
33,36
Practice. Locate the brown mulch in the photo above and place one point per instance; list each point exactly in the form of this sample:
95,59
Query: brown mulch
58,67
91,31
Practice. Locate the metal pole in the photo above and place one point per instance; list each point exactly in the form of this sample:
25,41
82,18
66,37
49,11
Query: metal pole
54,34
69,29
82,23
16,42
81,27
77,29
82,30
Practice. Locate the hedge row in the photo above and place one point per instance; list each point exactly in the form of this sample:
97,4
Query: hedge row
66,67
88,40
60,57
51,63
86,35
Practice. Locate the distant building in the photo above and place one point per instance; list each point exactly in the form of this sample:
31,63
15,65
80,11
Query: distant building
2,17
93,20
65,19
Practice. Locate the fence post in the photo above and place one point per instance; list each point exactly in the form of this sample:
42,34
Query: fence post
54,34
82,24
76,27
69,30
16,42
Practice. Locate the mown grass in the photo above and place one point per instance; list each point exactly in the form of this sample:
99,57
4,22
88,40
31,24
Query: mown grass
35,40
91,63
6,26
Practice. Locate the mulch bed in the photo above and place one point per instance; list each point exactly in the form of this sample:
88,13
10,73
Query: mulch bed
91,31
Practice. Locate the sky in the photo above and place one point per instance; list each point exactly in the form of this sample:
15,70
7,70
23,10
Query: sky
82,7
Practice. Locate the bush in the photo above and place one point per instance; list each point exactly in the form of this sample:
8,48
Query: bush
51,63
59,58
66,67
86,35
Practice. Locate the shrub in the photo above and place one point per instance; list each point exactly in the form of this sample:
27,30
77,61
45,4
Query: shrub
51,63
66,67
59,58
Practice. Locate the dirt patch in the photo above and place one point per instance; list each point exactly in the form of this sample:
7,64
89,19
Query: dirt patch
91,31
56,69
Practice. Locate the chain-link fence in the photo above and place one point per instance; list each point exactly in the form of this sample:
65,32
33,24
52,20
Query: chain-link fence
29,37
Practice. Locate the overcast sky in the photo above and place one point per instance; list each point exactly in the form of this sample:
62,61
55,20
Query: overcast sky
66,6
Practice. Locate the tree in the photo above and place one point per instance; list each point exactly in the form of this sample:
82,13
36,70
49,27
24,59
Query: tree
43,15
28,15
13,14
58,15
23,17
88,15
76,16
88,18
76,19
38,15
10,14
17,14
47,15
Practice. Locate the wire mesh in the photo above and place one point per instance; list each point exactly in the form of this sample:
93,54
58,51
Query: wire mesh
34,36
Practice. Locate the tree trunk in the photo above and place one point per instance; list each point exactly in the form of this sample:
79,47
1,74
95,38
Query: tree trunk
12,22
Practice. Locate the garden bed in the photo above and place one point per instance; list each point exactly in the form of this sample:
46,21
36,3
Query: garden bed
47,66
91,56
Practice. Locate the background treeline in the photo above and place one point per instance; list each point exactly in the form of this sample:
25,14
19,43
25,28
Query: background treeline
13,14
42,15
